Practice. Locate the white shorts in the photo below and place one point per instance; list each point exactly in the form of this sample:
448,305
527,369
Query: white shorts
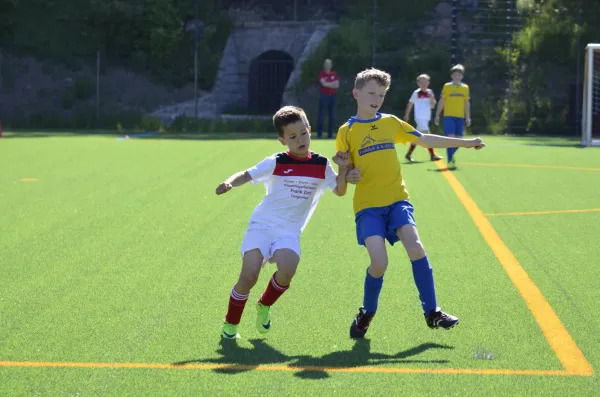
422,124
269,240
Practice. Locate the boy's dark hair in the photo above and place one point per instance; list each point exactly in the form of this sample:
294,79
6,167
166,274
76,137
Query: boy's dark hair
457,68
382,78
288,115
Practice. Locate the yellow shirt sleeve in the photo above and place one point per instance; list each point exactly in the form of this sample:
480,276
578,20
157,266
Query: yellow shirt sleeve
405,132
341,140
467,93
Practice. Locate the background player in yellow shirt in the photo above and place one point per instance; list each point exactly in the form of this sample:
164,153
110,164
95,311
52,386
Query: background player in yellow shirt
381,206
457,108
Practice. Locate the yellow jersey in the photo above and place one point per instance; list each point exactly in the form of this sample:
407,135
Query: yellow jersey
372,148
455,96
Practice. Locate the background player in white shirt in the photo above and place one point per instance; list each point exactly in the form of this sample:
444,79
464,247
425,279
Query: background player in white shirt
423,101
294,181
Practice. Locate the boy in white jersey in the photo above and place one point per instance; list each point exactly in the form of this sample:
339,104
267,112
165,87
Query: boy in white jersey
294,182
423,100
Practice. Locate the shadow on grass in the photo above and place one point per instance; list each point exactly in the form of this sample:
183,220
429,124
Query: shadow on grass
237,359
445,169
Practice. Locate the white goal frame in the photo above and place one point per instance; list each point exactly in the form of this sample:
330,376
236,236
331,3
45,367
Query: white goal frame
588,97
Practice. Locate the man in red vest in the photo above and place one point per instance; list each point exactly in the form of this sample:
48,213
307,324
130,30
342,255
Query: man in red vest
329,82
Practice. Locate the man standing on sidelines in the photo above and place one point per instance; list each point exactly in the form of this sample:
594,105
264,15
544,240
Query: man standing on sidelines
329,82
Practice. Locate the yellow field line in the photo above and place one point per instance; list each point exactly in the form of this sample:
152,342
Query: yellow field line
556,167
544,212
565,348
237,367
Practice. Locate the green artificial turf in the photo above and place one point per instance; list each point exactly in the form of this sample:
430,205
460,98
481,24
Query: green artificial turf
120,252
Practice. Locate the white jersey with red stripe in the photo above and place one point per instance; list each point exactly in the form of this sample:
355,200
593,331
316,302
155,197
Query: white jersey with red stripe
293,189
422,102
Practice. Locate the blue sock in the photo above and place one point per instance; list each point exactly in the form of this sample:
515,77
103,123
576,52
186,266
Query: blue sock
372,289
423,275
449,154
454,150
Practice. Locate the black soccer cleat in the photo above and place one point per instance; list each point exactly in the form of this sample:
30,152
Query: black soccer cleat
438,318
360,324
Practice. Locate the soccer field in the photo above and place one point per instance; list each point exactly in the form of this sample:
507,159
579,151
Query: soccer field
117,259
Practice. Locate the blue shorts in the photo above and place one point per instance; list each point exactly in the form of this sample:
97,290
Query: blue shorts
454,126
383,221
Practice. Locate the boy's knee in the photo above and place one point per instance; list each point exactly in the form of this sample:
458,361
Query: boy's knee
249,277
415,250
287,272
287,262
378,268
378,255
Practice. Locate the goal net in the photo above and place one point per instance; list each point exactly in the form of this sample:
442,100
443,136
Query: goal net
590,125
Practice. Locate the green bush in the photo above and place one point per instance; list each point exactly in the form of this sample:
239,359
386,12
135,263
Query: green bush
547,42
85,87
8,76
67,98
145,36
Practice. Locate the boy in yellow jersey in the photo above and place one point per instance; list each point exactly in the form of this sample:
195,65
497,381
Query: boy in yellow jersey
457,109
381,206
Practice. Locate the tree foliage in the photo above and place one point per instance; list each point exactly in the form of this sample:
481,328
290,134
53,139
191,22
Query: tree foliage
544,63
147,35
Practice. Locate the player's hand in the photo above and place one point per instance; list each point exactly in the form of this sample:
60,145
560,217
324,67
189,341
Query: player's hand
468,122
224,188
477,143
353,176
342,159
437,120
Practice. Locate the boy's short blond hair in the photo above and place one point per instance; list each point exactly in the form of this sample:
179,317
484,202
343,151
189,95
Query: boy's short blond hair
423,76
457,68
288,115
382,78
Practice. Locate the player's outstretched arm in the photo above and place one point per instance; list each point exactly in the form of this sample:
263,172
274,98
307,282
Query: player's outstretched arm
342,184
467,113
235,180
346,174
437,141
432,100
407,111
438,112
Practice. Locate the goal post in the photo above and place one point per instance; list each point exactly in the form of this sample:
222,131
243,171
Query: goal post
590,122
